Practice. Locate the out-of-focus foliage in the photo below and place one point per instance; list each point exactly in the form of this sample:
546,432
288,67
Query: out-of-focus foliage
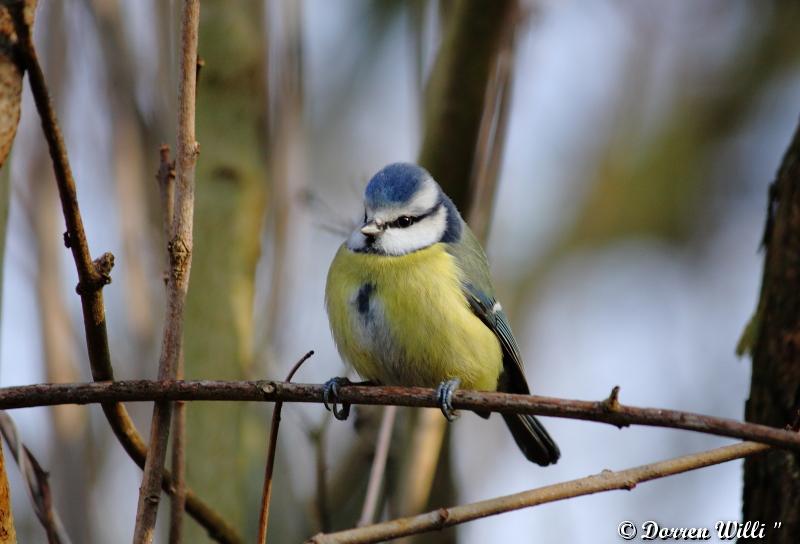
655,183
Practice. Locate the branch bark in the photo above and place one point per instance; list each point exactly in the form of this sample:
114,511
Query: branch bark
166,186
606,411
180,257
605,481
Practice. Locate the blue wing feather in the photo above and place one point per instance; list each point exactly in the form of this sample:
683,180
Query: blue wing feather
487,309
528,432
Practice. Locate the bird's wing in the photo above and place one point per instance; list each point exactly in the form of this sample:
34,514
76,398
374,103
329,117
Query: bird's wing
478,290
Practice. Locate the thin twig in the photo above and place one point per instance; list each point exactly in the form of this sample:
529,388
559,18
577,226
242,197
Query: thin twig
36,483
620,415
166,188
604,481
263,519
378,466
180,257
166,185
92,279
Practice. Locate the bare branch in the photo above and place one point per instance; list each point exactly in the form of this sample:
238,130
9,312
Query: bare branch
180,257
263,519
36,483
605,481
619,415
166,188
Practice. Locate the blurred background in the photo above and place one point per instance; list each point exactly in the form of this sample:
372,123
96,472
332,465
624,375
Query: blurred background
633,146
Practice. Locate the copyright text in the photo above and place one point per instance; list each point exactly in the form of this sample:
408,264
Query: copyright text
723,530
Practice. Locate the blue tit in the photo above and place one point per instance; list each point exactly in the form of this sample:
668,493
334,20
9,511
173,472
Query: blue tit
411,303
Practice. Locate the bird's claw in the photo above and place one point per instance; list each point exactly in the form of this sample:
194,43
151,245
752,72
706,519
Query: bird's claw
330,398
444,396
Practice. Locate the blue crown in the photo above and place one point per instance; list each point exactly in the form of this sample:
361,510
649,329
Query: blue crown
394,184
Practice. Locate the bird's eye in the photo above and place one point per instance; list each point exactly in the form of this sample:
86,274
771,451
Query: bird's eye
404,221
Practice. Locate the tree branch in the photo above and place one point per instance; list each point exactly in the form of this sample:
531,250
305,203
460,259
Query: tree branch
166,188
180,257
605,481
272,446
92,277
605,411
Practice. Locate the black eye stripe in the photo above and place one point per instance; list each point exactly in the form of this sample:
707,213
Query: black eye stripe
405,221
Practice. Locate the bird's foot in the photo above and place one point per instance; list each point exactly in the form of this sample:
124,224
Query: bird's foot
444,396
330,398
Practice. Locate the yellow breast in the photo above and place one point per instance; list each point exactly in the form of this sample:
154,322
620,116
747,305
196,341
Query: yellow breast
403,320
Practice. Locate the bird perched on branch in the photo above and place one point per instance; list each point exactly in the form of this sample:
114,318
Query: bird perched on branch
410,302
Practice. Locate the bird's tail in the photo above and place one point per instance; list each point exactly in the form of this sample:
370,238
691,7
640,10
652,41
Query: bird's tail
532,439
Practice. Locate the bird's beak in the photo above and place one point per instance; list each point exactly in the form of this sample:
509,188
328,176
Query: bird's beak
371,228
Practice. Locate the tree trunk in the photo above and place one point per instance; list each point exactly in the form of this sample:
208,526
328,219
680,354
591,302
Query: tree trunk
230,201
772,481
456,93
455,106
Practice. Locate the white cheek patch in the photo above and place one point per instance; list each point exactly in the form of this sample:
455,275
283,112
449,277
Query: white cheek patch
424,233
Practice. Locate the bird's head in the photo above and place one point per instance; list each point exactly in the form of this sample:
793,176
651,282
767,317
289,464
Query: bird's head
405,210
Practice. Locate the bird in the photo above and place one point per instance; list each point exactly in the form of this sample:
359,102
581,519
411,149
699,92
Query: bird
410,302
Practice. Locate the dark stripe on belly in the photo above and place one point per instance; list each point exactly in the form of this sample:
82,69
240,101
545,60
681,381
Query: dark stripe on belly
362,300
